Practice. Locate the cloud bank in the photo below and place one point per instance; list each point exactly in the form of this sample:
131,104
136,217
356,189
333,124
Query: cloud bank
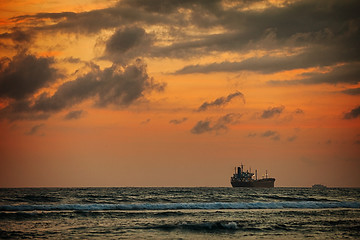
113,86
276,38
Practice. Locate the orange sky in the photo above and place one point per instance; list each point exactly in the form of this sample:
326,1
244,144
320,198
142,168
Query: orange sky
169,93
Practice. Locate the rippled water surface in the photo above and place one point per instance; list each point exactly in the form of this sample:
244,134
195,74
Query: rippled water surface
179,213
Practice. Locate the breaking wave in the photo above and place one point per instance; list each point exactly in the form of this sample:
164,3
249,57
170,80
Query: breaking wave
205,226
175,206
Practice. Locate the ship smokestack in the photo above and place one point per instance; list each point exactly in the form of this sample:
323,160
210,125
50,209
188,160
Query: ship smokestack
256,174
239,170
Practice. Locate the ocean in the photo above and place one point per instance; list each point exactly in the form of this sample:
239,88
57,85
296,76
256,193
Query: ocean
179,213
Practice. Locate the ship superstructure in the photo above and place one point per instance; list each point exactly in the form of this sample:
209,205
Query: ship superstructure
243,178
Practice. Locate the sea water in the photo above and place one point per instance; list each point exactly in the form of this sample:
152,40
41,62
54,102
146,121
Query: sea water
179,213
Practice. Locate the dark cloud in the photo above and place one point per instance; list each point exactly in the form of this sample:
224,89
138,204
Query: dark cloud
312,57
249,26
25,74
265,65
201,45
169,6
218,126
123,40
268,133
273,135
125,87
324,40
354,113
127,43
146,121
68,94
202,127
299,111
91,22
292,138
220,101
297,34
348,73
272,112
252,135
35,130
276,138
112,86
115,86
124,13
17,36
326,31
267,29
352,91
38,16
21,110
72,60
178,121
74,115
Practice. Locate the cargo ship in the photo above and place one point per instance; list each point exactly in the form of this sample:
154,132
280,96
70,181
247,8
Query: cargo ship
245,179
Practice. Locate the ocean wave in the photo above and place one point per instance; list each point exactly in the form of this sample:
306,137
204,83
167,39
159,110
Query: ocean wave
175,206
39,198
204,226
296,198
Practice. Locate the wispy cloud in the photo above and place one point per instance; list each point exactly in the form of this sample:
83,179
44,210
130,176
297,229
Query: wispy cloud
178,121
218,126
74,115
252,134
352,91
146,121
299,111
348,74
273,135
221,101
35,130
272,112
292,138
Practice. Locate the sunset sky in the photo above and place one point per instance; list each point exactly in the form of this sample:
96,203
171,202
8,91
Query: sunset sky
179,92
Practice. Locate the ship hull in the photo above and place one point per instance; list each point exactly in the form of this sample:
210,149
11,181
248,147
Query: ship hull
261,183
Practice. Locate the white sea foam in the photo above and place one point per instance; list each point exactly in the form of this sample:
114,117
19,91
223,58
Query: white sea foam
174,206
230,225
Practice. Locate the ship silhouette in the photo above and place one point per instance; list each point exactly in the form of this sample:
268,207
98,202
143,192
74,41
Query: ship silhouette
245,179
